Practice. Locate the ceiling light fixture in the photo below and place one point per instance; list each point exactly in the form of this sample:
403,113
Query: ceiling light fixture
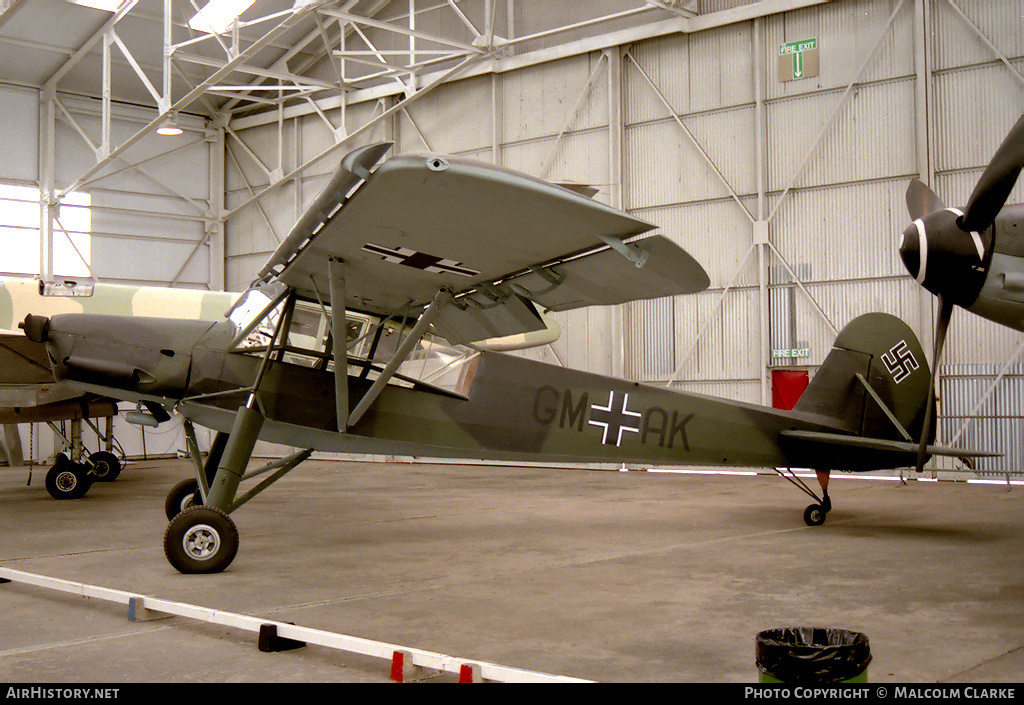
168,127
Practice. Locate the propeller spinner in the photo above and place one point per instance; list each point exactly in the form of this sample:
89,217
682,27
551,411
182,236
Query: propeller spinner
948,250
945,260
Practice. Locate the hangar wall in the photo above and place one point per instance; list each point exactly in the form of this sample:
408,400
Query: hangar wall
158,206
148,220
789,192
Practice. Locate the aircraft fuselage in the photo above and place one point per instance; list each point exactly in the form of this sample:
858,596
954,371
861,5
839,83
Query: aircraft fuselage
511,408
1001,298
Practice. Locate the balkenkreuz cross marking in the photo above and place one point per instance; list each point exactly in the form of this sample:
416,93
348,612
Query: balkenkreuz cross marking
614,418
419,260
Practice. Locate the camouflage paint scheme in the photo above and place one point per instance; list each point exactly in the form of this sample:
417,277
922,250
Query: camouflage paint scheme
21,296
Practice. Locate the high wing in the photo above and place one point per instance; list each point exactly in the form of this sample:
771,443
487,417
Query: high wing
500,242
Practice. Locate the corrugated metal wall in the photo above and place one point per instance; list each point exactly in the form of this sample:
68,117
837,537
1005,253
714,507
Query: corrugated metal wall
831,157
144,212
147,224
982,406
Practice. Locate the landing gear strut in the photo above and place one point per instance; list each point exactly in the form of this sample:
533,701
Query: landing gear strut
814,514
201,537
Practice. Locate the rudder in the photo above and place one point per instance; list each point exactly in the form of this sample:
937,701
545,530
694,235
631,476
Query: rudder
883,350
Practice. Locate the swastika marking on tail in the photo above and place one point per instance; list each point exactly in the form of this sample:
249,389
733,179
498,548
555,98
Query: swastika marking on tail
900,361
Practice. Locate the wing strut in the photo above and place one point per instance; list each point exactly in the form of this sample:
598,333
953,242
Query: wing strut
339,336
441,299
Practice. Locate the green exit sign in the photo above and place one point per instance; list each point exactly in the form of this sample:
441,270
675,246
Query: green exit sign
798,59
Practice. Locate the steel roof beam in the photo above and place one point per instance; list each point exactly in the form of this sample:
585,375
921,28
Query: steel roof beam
210,81
501,64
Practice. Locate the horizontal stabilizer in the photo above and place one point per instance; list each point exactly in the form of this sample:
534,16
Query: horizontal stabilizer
882,444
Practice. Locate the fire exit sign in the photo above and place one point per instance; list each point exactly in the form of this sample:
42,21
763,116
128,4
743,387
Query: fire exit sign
798,60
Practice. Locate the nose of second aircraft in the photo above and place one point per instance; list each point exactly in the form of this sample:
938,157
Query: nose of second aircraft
910,250
944,259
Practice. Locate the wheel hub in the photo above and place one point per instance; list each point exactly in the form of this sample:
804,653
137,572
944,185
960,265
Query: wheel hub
201,542
66,481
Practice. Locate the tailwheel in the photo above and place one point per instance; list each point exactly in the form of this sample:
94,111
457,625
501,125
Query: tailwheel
183,495
815,515
67,479
201,540
105,466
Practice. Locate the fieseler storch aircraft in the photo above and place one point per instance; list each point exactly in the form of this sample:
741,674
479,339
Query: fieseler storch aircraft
972,257
395,254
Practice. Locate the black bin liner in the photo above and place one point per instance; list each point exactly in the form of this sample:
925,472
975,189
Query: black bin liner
812,654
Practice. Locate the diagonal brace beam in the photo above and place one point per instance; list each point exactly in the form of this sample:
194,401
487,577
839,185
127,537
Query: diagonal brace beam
241,59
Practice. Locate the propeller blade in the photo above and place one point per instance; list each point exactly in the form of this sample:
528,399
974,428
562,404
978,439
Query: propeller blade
921,200
941,326
996,182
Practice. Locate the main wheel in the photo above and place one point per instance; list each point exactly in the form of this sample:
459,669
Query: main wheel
67,480
105,466
815,515
201,540
183,495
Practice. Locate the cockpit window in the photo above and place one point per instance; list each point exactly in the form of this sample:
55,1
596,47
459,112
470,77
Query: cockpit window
371,342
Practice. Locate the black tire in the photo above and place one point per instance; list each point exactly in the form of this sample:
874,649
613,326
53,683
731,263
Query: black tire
201,540
105,466
67,480
183,495
814,515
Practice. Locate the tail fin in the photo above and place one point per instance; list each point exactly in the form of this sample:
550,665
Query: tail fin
886,354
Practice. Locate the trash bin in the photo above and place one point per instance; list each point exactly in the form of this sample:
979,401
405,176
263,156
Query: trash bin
812,655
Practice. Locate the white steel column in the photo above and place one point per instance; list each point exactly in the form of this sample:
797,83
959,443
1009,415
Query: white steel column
761,231
495,121
923,136
615,175
215,221
47,206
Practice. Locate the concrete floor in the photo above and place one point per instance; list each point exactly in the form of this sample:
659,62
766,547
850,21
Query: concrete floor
600,575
